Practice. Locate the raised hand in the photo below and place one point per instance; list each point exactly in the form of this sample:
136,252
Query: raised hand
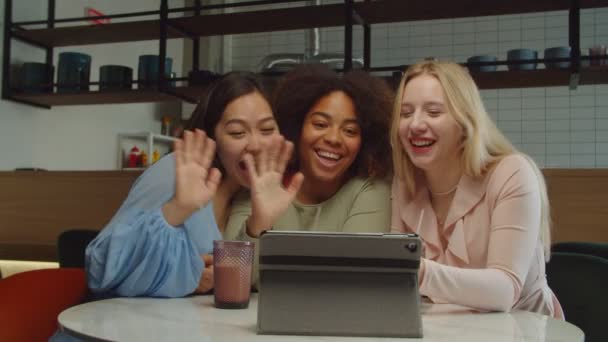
195,181
269,198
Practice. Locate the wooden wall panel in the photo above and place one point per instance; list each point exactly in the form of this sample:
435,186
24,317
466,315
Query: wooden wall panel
35,207
579,204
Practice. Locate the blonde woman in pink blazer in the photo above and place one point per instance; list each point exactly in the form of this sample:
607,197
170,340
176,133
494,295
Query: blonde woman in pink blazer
479,206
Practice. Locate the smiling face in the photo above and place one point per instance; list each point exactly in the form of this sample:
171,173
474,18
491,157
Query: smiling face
330,140
247,125
428,131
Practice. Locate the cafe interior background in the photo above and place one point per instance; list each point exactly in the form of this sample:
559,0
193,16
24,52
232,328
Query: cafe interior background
564,130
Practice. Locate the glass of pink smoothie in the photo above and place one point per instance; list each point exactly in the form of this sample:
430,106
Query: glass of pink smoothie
232,267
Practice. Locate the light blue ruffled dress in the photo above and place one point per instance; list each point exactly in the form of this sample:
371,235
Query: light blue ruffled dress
139,254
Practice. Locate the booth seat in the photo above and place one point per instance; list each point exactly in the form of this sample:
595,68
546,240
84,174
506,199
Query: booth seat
32,300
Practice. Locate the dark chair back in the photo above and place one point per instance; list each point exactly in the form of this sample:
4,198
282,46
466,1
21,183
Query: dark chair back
580,283
71,245
598,249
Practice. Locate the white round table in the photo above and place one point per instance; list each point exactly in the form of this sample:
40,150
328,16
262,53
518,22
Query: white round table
196,319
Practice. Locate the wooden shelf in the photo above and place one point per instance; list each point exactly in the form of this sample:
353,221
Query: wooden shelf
484,80
521,78
95,34
302,17
538,78
374,12
387,11
532,78
594,75
110,97
285,19
204,25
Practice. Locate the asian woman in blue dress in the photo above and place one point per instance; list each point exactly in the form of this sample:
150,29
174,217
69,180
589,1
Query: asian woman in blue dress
160,241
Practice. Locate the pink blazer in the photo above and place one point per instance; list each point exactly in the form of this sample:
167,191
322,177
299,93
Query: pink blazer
493,257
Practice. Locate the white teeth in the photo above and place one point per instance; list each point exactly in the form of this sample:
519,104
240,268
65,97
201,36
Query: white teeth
422,143
329,155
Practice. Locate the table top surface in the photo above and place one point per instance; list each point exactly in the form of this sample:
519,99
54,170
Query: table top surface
196,319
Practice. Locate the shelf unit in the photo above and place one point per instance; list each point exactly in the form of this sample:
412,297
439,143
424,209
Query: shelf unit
48,100
347,14
151,141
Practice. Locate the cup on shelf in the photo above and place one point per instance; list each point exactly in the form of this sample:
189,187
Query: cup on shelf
522,55
232,270
597,55
35,77
73,72
147,71
482,58
115,77
172,81
557,52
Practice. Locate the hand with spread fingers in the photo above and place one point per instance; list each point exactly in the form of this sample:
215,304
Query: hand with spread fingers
269,198
195,181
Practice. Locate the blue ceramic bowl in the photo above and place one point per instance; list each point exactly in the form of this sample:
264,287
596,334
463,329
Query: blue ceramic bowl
115,77
73,72
147,71
557,52
522,55
482,58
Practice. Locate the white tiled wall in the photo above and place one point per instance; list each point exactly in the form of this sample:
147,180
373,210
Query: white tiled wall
558,127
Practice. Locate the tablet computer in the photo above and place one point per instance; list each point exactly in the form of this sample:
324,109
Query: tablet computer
339,284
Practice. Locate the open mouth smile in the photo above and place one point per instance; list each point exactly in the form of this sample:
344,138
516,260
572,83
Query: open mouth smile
328,158
421,145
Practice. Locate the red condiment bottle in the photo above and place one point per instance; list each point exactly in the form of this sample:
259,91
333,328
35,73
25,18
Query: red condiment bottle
133,157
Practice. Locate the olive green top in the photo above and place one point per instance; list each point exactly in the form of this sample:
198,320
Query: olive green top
361,205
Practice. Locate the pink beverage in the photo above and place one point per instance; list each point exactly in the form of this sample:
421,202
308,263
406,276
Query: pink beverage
232,266
232,287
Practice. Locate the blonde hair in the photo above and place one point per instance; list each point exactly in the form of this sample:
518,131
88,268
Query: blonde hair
483,146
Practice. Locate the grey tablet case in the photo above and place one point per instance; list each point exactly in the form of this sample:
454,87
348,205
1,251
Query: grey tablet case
339,284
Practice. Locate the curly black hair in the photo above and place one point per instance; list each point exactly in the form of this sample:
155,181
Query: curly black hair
300,89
